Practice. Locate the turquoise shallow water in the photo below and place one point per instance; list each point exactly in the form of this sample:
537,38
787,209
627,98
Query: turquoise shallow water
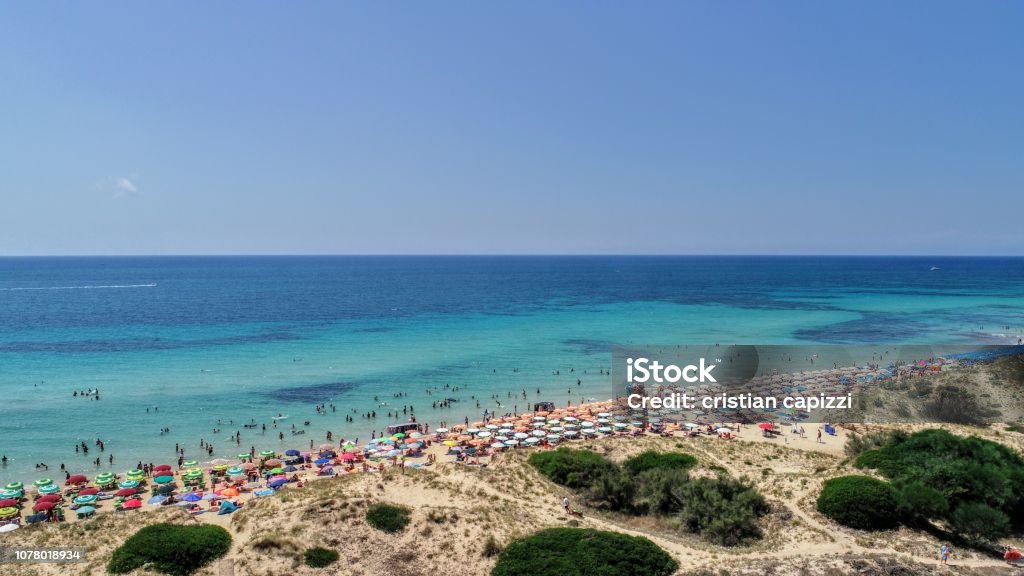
204,340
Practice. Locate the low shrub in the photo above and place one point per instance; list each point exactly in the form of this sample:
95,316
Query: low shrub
723,510
583,552
387,517
859,502
171,548
652,459
571,468
320,557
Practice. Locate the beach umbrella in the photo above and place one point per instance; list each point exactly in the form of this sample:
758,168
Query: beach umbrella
249,466
43,505
88,491
133,503
278,483
135,472
191,497
497,445
235,471
51,489
292,452
50,498
43,482
267,453
163,479
511,442
211,496
290,468
229,492
85,511
88,499
441,430
8,502
194,473
125,492
272,463
483,435
532,440
128,484
277,470
8,511
165,489
189,463
15,486
321,461
76,479
764,426
243,455
156,499
160,467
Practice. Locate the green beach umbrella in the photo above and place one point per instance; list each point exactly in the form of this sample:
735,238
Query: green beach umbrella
164,479
276,471
235,470
105,478
193,475
189,463
244,455
51,489
398,435
135,472
16,486
220,467
128,484
43,482
9,511
89,499
267,453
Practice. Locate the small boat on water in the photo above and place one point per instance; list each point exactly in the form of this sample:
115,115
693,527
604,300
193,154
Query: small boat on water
934,268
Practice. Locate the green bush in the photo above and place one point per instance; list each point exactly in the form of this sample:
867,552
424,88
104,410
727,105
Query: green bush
961,470
171,548
612,489
583,552
320,557
652,459
387,517
979,522
660,490
723,510
571,468
859,502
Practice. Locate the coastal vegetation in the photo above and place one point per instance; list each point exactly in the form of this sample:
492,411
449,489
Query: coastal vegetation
320,557
859,502
972,487
173,549
387,517
721,509
579,552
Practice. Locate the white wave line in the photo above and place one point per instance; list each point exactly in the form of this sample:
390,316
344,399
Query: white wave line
79,287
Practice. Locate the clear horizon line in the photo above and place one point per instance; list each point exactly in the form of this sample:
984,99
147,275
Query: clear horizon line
513,255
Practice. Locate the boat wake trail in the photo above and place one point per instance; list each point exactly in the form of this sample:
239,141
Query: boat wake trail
97,287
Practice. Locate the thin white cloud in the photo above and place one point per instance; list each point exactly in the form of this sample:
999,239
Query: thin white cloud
119,186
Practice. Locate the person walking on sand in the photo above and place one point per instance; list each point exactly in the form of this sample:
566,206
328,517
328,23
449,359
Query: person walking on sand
819,435
944,553
565,504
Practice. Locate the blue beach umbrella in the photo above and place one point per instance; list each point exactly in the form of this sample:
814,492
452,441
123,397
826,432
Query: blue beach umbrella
292,452
85,511
191,497
156,499
163,479
321,461
50,489
89,499
278,483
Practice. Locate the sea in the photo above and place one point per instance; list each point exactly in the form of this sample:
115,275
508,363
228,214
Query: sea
190,349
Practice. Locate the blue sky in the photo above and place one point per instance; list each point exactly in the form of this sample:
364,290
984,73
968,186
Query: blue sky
521,127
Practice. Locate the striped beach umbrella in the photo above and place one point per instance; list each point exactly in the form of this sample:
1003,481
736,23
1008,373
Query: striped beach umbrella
15,486
128,484
42,482
89,499
189,463
267,453
49,489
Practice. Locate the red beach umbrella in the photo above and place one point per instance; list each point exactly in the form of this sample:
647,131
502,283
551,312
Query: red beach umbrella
43,506
133,503
76,479
49,498
8,503
764,426
124,492
159,467
88,492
